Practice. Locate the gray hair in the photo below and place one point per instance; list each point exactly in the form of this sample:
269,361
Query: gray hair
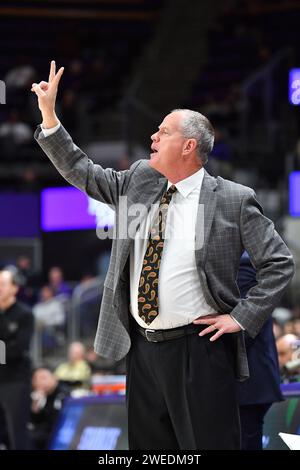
196,126
16,277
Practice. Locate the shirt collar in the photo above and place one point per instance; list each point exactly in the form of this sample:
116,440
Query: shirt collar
187,185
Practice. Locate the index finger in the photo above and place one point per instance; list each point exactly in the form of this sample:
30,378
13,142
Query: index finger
52,70
204,321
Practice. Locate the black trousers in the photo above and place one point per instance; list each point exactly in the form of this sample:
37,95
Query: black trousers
15,411
181,394
252,422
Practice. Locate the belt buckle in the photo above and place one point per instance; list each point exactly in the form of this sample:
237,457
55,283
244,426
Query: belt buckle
147,331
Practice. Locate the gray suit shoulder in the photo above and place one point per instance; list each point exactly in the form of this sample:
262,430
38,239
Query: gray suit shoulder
236,190
142,166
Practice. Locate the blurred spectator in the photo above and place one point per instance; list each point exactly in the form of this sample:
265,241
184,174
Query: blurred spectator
30,280
49,311
87,278
47,400
76,372
24,266
16,329
281,315
286,347
57,283
289,327
277,330
20,76
297,327
14,133
257,393
99,365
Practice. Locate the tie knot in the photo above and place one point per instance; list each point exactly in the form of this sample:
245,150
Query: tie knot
172,189
168,194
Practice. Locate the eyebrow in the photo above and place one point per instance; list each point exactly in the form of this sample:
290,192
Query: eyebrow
163,127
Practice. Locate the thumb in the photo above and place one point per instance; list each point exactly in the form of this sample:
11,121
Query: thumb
37,90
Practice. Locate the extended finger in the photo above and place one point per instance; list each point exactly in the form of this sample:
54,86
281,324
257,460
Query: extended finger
205,321
219,333
207,330
58,76
52,70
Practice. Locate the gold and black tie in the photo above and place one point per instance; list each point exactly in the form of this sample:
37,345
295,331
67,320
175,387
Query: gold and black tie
148,285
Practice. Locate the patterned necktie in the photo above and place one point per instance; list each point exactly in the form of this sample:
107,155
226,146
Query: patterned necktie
148,285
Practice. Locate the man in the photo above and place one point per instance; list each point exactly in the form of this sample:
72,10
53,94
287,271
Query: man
47,396
76,372
257,394
50,310
286,347
16,329
175,291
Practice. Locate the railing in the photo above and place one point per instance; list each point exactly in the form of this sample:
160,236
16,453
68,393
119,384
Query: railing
84,294
81,310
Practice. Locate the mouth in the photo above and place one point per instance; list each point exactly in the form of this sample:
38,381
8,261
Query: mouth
154,152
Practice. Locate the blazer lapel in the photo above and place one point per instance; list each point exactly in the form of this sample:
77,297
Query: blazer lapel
147,192
205,216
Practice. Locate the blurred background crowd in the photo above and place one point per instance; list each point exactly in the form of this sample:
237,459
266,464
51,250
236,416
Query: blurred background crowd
127,64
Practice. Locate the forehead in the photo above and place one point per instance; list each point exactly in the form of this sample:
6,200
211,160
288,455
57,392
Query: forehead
172,121
5,277
42,375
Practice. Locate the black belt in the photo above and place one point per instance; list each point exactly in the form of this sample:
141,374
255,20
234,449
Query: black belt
157,336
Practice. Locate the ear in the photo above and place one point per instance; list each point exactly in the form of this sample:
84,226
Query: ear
189,146
16,289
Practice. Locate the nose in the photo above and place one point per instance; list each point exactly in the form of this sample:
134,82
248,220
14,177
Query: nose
154,137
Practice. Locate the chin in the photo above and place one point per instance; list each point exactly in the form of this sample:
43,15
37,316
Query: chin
153,162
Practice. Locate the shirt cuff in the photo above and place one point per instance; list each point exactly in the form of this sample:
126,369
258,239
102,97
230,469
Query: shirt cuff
238,323
50,131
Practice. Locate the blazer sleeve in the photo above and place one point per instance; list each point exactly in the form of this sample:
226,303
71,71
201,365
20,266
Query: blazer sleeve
105,185
272,260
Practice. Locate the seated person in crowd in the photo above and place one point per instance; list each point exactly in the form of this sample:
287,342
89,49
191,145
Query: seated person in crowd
288,348
49,311
47,398
57,282
76,371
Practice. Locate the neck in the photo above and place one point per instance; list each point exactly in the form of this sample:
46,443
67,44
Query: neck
180,174
6,304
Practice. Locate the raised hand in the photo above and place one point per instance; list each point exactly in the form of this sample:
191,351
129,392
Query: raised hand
46,93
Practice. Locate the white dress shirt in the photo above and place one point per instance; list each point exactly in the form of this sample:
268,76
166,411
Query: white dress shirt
180,296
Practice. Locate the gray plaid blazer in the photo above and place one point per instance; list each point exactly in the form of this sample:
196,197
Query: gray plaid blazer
233,222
